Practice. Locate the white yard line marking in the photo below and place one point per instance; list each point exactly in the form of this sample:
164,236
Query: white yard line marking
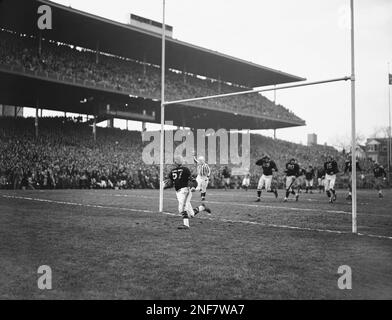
234,204
211,219
265,195
269,196
245,204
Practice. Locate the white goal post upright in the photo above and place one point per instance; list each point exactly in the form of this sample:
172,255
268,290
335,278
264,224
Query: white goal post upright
353,130
162,140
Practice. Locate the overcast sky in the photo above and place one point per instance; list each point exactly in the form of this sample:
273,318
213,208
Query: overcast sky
309,38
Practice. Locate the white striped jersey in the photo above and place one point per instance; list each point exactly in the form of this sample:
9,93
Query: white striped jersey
203,169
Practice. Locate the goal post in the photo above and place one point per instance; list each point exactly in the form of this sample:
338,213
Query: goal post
263,89
162,139
353,129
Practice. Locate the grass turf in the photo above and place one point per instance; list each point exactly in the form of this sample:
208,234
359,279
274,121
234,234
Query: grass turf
108,244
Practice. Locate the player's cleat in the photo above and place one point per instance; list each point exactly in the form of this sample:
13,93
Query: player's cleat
285,199
208,210
258,200
183,227
296,197
331,200
334,197
203,198
185,215
380,195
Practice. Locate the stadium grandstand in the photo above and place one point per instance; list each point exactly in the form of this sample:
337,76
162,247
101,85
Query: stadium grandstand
65,155
104,69
90,65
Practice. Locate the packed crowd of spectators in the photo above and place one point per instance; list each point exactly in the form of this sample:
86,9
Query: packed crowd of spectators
65,155
139,79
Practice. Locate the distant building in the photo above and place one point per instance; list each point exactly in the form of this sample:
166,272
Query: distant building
377,150
312,139
361,152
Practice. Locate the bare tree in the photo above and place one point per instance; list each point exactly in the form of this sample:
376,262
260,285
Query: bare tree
380,132
344,142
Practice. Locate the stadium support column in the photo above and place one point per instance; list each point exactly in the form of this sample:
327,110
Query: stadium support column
275,93
36,121
110,122
97,53
40,43
275,134
162,142
95,128
353,131
144,65
389,129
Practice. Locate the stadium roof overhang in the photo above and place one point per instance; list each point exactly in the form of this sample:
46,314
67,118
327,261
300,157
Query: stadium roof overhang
86,30
19,88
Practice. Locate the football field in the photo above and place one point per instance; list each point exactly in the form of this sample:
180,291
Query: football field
113,244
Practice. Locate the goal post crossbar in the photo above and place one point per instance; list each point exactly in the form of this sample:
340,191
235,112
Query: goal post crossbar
231,94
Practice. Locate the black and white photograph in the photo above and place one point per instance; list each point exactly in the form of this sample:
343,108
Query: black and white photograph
195,156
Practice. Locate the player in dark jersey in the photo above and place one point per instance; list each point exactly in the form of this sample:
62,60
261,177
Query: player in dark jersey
331,169
269,167
321,179
292,172
309,175
180,177
379,178
348,170
226,177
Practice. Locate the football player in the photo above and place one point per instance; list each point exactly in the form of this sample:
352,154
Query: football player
226,177
269,168
379,178
292,172
331,169
309,175
203,176
180,177
246,182
348,170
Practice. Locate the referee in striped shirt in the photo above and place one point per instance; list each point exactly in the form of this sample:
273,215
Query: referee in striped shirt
203,176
